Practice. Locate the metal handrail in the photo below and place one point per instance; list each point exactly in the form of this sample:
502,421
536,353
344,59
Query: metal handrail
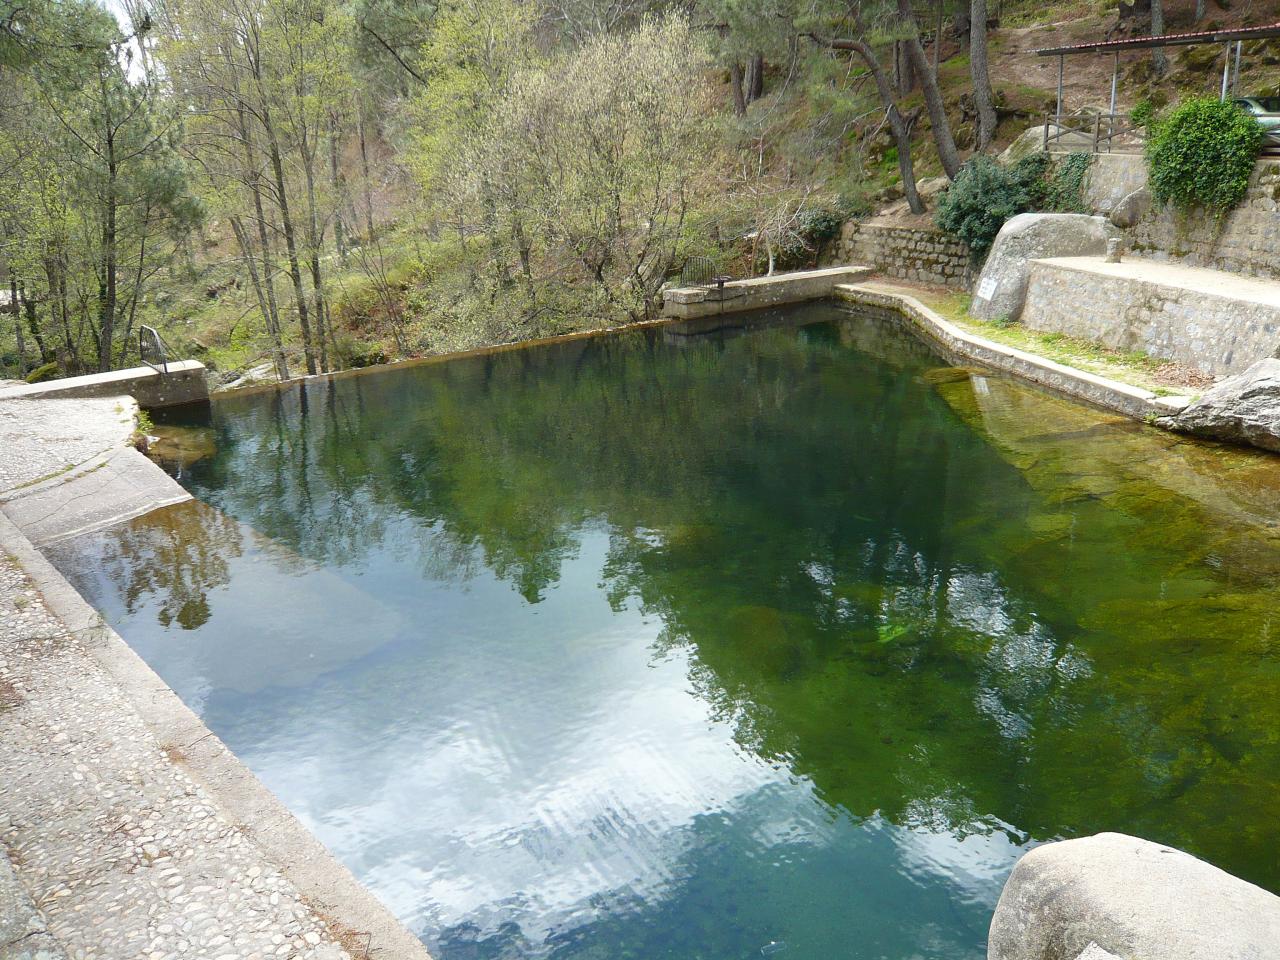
698,272
152,349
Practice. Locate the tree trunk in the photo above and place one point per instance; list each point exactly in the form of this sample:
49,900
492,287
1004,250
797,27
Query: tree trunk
110,264
315,240
1159,59
522,245
290,245
246,247
368,183
754,84
942,138
267,293
338,181
897,122
982,96
904,77
33,327
137,288
108,287
735,81
56,278
937,41
17,327
1200,10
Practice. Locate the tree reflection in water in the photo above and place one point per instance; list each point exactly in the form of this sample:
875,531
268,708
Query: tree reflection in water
946,601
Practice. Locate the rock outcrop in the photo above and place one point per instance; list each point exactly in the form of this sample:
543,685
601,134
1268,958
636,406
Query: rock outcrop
1128,213
1028,142
1241,409
1002,287
1115,894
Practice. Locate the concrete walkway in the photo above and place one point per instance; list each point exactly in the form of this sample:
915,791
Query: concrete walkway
127,829
1217,283
123,854
24,932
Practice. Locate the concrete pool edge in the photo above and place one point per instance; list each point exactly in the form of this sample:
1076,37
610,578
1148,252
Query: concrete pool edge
953,343
1071,382
353,916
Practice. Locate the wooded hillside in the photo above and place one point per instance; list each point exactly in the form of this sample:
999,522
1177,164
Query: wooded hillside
307,185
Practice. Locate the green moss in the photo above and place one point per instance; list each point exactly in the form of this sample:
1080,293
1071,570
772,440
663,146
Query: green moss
1127,366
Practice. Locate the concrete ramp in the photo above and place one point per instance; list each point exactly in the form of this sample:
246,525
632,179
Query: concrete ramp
67,467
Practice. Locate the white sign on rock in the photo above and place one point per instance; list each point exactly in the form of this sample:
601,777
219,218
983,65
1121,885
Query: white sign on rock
987,288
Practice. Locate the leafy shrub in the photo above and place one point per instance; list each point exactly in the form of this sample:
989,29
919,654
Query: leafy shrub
984,195
1202,155
1064,189
1143,113
819,225
46,371
360,353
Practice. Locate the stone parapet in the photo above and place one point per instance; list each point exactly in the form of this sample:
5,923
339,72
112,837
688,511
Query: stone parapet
183,381
966,348
687,303
1246,240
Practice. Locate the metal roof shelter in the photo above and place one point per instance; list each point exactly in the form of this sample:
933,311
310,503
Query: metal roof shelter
1226,37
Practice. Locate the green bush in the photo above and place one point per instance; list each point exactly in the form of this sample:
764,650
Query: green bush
821,224
46,371
1202,155
1064,189
984,195
1143,112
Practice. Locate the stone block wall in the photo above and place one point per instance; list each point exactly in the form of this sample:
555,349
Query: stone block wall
906,253
1245,241
1218,329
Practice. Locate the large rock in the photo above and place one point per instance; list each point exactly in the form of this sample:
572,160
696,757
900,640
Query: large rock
1240,409
1132,898
1029,141
1002,287
1129,212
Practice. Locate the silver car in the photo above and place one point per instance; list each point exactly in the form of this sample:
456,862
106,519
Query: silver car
1266,110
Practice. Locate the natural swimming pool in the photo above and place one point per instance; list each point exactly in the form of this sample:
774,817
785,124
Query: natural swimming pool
777,640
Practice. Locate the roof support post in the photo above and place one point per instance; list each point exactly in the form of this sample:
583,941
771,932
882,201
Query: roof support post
1235,71
1115,78
1226,70
1062,61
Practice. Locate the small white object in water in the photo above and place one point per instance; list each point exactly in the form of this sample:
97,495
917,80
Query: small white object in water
772,947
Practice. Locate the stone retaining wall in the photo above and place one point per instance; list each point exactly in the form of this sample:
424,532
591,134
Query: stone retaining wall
1219,326
964,348
1245,241
906,253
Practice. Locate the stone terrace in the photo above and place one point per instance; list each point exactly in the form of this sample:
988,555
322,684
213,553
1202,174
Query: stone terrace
1218,323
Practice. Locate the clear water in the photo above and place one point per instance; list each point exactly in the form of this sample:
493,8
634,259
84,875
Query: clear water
711,644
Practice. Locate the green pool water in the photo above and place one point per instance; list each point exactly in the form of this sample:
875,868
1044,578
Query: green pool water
715,642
